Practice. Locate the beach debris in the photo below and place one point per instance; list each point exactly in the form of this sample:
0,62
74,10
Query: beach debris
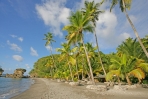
74,83
66,82
119,87
130,86
89,82
97,87
58,80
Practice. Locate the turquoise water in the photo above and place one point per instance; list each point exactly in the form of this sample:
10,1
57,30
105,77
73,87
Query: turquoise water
10,87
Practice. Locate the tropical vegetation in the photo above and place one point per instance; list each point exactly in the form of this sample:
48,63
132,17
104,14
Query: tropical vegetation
78,59
1,71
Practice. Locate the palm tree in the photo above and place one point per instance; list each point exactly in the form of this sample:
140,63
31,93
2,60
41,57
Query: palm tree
131,47
66,54
76,53
145,42
80,23
126,4
50,65
49,40
124,66
92,8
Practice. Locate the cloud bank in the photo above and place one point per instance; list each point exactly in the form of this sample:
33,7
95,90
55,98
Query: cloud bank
54,14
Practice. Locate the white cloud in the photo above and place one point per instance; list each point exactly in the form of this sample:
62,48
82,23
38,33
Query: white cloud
106,24
48,47
123,36
105,27
27,66
20,39
14,36
17,58
54,14
107,32
33,52
14,47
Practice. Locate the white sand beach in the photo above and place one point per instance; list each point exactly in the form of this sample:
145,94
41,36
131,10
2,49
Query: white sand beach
51,89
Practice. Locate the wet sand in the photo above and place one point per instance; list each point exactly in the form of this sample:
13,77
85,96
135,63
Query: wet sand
51,89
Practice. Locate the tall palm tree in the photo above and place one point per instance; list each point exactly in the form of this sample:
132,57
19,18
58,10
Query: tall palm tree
126,4
49,40
80,23
92,8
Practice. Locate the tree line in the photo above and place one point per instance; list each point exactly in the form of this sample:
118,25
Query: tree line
79,59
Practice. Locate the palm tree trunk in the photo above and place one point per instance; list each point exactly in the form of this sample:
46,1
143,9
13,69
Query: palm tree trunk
77,68
70,70
51,72
128,80
85,69
53,58
89,64
134,29
139,81
82,72
99,53
118,80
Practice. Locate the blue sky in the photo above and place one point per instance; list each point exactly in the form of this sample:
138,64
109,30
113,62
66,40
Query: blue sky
23,24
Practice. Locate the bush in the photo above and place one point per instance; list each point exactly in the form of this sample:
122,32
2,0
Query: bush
145,81
75,79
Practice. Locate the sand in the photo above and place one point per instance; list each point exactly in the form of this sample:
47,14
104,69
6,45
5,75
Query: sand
51,89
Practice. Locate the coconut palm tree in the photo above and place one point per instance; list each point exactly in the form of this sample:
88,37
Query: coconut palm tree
49,40
126,4
130,47
66,54
92,8
124,66
79,24
145,42
49,64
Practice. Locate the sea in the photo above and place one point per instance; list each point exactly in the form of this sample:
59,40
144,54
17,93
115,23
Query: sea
10,87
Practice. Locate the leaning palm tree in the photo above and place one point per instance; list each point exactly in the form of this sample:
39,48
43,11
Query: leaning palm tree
49,40
92,8
80,23
126,4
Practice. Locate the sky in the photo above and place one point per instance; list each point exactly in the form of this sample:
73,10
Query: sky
23,24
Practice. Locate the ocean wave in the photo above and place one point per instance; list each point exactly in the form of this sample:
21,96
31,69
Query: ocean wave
4,95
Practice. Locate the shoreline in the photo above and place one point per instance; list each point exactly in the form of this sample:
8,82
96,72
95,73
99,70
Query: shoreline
10,87
51,89
34,92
